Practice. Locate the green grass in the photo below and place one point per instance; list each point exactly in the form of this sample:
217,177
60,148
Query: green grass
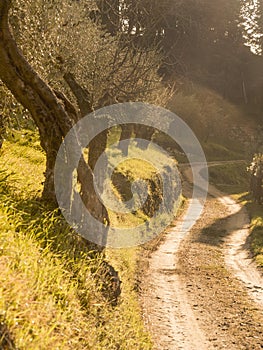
127,172
142,165
234,180
51,282
256,213
214,152
231,178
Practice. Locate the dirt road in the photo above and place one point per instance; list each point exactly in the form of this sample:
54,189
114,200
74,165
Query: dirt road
201,291
237,255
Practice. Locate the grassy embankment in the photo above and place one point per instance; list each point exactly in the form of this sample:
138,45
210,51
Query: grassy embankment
221,127
234,179
51,294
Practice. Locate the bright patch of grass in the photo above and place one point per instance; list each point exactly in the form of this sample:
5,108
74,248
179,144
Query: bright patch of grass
52,289
231,178
256,214
215,152
147,165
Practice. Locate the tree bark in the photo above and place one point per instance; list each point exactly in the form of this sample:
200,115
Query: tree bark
35,95
99,143
82,95
51,111
2,128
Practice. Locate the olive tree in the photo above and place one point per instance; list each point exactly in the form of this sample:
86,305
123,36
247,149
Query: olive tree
60,65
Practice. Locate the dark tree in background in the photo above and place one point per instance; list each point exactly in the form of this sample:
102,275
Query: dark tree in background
110,15
202,40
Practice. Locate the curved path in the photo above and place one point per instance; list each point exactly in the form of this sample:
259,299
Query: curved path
190,300
237,255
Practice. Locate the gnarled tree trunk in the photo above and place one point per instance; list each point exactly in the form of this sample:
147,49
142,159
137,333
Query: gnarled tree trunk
52,112
1,130
34,94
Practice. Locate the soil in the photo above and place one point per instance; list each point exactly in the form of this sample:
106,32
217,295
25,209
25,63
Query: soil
202,290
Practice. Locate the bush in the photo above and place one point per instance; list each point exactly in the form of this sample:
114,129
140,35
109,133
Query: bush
256,182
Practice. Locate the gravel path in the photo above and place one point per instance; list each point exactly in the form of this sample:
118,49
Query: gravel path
201,290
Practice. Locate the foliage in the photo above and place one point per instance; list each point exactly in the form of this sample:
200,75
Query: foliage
256,182
97,70
205,41
12,114
212,118
252,25
256,231
256,167
59,38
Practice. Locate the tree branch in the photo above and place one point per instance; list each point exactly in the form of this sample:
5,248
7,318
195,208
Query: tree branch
82,95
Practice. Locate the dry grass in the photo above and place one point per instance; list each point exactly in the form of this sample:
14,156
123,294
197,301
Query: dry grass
222,127
51,289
